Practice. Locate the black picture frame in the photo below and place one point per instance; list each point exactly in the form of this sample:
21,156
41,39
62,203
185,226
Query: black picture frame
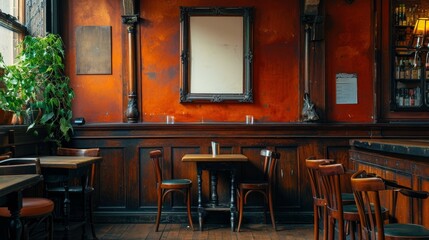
238,59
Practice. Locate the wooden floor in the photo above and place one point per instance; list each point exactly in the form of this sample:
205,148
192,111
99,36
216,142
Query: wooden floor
212,232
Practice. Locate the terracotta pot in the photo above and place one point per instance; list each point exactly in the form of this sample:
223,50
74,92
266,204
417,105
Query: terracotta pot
17,120
5,117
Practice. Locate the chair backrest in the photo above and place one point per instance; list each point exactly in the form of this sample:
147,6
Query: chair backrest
156,156
312,164
84,152
366,192
270,164
17,166
330,176
6,155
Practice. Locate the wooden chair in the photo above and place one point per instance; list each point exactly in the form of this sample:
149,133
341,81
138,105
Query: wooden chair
165,186
35,211
76,189
338,212
264,187
366,190
319,202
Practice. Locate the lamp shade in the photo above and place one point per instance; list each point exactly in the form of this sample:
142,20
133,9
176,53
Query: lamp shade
422,27
420,33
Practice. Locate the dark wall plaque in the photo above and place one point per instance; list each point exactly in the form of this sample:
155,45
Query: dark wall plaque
93,50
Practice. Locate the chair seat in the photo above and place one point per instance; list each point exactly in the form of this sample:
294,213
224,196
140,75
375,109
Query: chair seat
347,198
253,185
72,189
176,181
31,207
403,230
352,208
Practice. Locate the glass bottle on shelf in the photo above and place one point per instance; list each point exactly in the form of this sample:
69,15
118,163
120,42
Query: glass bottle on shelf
412,98
401,97
427,66
401,70
407,74
418,96
415,70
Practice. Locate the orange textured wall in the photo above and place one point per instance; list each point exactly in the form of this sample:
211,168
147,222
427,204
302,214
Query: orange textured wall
98,97
349,50
277,62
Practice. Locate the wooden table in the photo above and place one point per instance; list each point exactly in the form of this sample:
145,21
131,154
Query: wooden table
62,169
11,187
220,162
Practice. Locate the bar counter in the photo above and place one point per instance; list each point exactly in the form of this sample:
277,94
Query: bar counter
418,147
405,161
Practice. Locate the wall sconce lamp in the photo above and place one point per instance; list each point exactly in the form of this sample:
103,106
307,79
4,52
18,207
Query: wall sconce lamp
420,33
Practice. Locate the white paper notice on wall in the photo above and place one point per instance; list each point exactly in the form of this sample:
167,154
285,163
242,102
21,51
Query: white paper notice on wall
346,88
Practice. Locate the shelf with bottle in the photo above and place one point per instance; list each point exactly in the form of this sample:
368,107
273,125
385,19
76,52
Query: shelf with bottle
408,97
408,68
411,85
406,12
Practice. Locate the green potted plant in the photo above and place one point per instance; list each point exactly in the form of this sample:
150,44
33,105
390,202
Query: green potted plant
36,83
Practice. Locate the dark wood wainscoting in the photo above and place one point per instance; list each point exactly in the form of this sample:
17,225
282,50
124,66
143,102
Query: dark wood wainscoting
125,178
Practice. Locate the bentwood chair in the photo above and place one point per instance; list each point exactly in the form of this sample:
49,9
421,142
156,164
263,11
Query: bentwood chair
165,186
76,189
36,213
330,176
319,202
366,190
338,212
264,187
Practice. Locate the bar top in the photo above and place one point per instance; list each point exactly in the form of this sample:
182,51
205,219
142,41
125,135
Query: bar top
418,147
211,158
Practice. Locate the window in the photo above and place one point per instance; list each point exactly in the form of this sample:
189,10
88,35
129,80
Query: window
11,27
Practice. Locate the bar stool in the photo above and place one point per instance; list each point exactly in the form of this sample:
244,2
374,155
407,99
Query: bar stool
35,210
366,190
264,187
165,186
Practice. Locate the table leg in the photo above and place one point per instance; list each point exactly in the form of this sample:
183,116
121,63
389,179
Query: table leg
200,193
83,182
15,225
66,211
232,206
213,188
